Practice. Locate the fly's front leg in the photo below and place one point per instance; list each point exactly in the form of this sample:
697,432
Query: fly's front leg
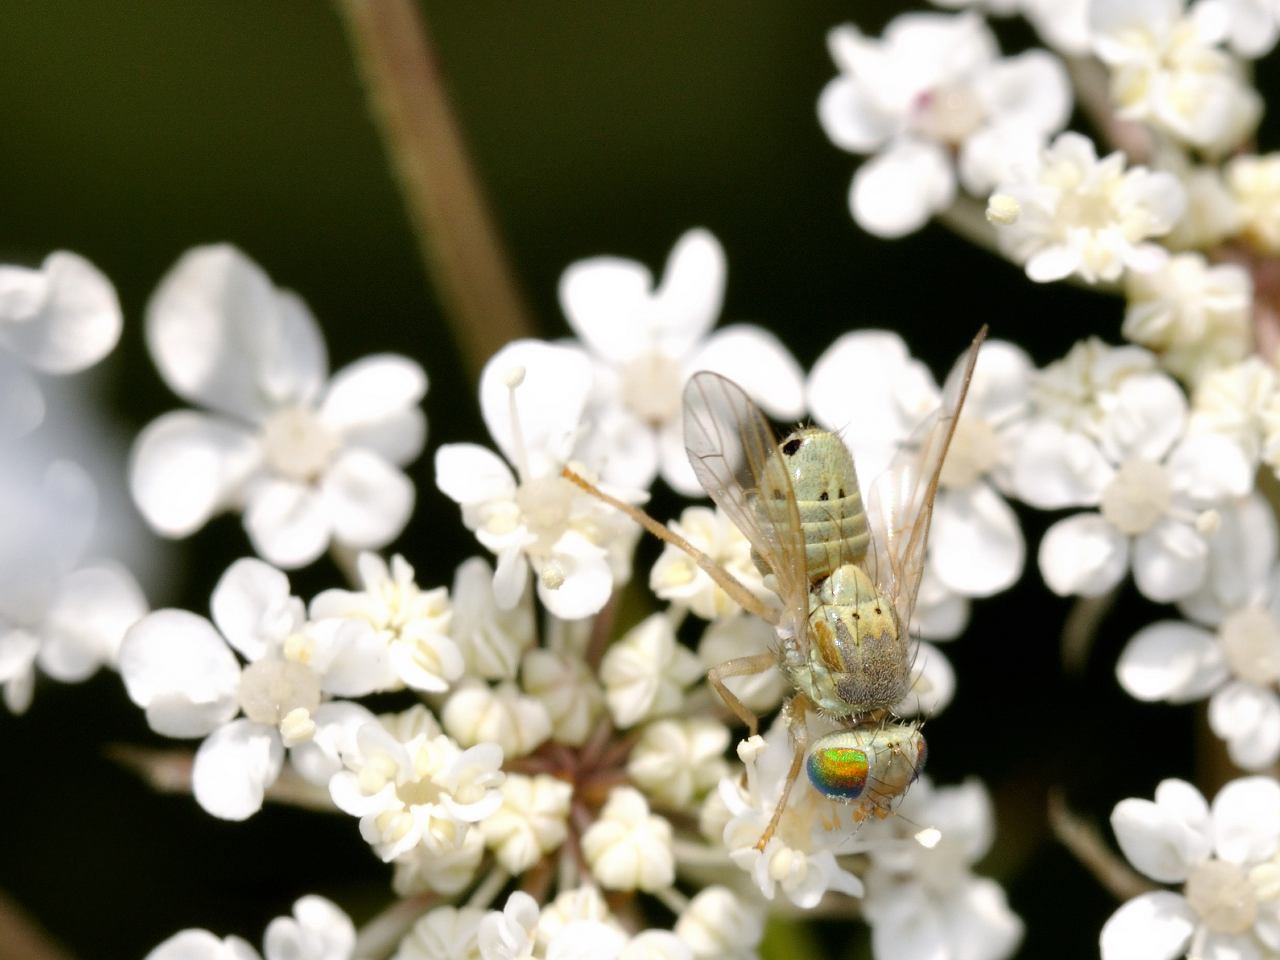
794,711
740,667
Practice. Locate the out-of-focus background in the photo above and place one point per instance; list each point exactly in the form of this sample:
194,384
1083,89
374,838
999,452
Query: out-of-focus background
130,132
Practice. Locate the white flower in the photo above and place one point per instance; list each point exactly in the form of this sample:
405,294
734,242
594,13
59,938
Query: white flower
646,672
627,847
1085,216
925,902
646,342
318,930
1167,70
1234,401
1110,432
1211,215
411,785
58,319
1196,316
182,670
477,713
445,933
67,616
447,867
307,458
677,761
676,578
491,639
719,924
800,856
1214,853
1254,182
508,935
532,396
532,821
410,626
1252,25
569,691
934,85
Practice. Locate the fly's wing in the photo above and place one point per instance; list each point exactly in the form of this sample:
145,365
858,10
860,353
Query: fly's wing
735,456
901,500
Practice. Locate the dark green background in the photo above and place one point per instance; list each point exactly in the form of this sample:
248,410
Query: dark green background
130,132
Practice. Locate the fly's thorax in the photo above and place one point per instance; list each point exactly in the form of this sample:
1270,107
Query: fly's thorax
871,765
859,658
821,474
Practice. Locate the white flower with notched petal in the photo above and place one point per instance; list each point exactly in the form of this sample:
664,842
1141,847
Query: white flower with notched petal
1167,70
308,459
58,319
925,902
932,86
1071,213
182,670
532,396
1109,431
67,617
318,930
647,341
445,933
1227,908
976,547
1238,665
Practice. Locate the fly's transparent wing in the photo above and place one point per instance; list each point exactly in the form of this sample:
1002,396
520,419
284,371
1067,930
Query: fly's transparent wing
735,456
901,499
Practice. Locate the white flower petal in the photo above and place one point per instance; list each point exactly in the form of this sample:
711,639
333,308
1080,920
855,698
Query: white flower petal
757,361
1148,415
1056,468
318,930
896,192
186,466
1083,555
1157,840
250,606
364,395
234,767
851,118
975,544
202,945
21,402
1173,661
933,684
979,924
603,299
1246,820
87,621
1209,468
223,337
1169,561
78,322
467,473
288,523
587,585
554,383
687,302
1151,926
176,666
1247,717
368,500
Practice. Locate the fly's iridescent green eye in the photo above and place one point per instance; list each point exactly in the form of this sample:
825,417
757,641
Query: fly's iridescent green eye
838,772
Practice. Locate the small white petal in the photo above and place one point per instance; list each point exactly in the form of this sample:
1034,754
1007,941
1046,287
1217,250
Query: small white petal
1173,661
1247,717
87,621
1169,561
687,301
78,322
1056,468
318,930
368,500
202,945
1151,926
1157,840
371,391
1083,555
896,192
467,473
976,545
603,299
757,361
234,767
850,118
186,466
1246,820
288,523
250,606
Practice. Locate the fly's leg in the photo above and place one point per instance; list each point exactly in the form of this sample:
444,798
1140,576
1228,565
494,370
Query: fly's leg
795,713
722,577
740,667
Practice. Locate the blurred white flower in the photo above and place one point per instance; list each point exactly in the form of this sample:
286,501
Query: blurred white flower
1196,316
1233,401
478,713
568,690
308,459
532,821
1211,215
58,319
646,672
676,578
532,396
1167,70
577,926
409,625
1085,216
492,639
646,341
1254,183
1252,25
924,902
318,930
182,670
627,847
56,611
932,86
721,925
1219,856
445,933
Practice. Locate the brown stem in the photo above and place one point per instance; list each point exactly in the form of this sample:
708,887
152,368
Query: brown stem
22,936
1088,846
456,233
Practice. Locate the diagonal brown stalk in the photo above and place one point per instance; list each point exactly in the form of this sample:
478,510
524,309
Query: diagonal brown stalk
457,236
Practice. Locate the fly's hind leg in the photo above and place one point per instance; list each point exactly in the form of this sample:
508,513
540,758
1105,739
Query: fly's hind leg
794,711
740,667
